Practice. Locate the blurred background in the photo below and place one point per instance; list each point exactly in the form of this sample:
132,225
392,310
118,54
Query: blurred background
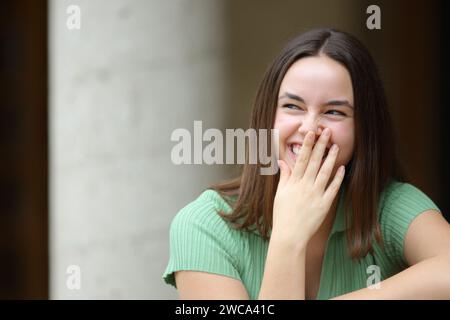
87,113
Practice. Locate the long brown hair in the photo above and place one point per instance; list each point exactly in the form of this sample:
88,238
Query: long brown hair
373,163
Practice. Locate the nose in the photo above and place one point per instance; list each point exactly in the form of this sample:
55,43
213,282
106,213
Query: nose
310,123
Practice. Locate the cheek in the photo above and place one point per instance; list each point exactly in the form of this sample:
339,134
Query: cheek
286,125
344,137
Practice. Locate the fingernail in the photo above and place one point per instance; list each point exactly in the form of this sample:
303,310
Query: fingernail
326,132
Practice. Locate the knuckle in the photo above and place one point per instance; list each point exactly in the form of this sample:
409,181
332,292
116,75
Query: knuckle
324,173
335,184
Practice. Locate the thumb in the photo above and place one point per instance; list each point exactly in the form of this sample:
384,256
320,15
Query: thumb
285,172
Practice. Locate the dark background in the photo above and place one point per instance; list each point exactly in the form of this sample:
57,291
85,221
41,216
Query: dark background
412,50
24,150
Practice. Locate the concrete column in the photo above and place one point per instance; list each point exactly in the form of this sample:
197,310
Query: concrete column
119,86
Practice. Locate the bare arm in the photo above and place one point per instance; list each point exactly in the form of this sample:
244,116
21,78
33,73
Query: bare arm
284,278
195,285
284,272
301,204
427,251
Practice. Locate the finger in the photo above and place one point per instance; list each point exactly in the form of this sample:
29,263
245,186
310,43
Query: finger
303,157
327,168
285,172
334,186
317,155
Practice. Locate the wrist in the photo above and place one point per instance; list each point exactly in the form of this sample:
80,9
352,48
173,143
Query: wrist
280,239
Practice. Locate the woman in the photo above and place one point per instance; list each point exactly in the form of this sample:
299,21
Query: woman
338,220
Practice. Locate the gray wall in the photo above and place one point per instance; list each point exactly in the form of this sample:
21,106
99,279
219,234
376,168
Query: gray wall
119,86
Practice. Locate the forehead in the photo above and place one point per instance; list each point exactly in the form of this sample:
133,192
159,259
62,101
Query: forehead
318,77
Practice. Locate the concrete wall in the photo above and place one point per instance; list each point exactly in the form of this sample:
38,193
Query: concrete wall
119,86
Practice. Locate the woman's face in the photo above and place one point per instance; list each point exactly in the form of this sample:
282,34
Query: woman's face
316,93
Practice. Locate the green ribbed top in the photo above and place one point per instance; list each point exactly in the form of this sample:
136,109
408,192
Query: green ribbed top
201,240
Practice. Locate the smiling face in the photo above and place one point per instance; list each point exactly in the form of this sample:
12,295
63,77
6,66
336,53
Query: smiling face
316,93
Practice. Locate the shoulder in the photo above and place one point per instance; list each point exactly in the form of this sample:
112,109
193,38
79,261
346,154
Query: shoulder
400,204
201,240
202,215
403,199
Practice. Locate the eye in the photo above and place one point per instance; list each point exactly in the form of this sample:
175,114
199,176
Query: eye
336,113
291,106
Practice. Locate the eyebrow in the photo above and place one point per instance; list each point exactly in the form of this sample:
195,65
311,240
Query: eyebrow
329,103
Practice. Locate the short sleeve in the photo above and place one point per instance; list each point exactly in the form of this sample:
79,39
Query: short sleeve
201,240
402,203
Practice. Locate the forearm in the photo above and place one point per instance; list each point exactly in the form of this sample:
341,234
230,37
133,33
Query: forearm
429,279
284,271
